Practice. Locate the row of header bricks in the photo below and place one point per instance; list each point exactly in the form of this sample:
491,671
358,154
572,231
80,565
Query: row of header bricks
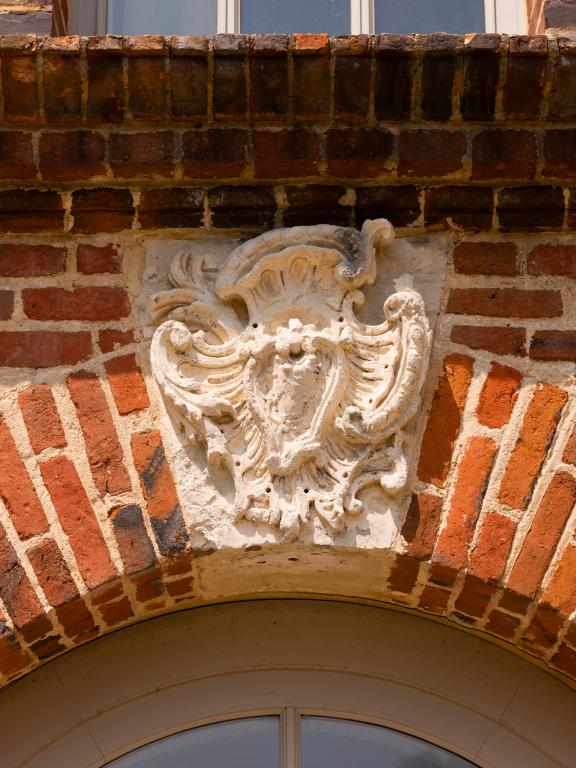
257,207
276,77
474,154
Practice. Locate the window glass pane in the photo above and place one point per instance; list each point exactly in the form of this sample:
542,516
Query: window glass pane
253,743
168,17
328,743
293,16
403,17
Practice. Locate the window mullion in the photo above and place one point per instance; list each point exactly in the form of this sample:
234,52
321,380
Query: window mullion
490,15
361,17
228,17
290,737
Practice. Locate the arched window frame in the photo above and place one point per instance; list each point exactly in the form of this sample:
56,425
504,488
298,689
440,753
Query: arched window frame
90,16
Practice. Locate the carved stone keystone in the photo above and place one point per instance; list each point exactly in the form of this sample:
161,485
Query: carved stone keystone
268,370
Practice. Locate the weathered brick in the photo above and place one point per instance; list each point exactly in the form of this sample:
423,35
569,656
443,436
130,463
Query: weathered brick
52,572
432,152
41,418
17,491
560,593
31,210
525,75
502,624
286,153
481,67
127,384
62,87
20,89
394,77
111,339
269,92
486,258
13,658
434,599
135,547
498,396
78,521
98,259
536,433
404,574
543,535
353,74
159,491
312,85
147,88
490,554
149,154
41,349
504,302
6,304
242,206
444,419
530,208
16,591
90,303
559,150
472,481
72,155
569,455
504,154
562,100
565,659
421,525
474,597
102,446
229,98
496,339
317,204
76,619
16,155
465,207
515,603
553,345
215,153
552,260
189,83
24,260
401,205
172,208
117,613
542,632
102,210
105,81
437,83
356,152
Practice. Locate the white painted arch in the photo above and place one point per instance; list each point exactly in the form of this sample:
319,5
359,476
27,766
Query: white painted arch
208,664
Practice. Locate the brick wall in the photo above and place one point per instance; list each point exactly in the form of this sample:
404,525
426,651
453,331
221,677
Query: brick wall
108,142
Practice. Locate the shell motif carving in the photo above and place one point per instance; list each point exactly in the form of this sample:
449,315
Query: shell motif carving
268,369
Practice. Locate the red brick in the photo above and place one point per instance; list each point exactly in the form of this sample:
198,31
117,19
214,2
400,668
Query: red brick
16,592
31,210
17,491
474,598
13,658
105,83
433,152
20,89
242,206
434,600
134,545
525,79
110,339
515,603
559,151
102,445
147,88
355,153
560,592
41,418
48,647
269,89
399,204
189,78
62,87
438,70
215,153
394,77
444,420
317,204
78,521
76,619
23,260
117,613
102,210
16,155
553,345
504,154
404,574
421,525
312,85
502,624
6,304
94,303
229,90
159,491
496,339
352,79
127,384
565,659
460,207
553,260
504,302
142,154
472,480
39,349
52,572
175,207
72,155
498,396
543,535
531,208
481,66
286,153
486,259
569,455
96,260
490,554
542,632
536,433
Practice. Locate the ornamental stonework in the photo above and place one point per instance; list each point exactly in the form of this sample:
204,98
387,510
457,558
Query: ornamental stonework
295,415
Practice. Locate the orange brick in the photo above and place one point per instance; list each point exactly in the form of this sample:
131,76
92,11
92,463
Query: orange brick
127,384
498,396
561,591
421,525
490,555
41,418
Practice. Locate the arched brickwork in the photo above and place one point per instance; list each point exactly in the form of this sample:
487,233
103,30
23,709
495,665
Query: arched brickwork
92,535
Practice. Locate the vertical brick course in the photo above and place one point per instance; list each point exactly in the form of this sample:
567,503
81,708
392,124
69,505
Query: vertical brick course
41,418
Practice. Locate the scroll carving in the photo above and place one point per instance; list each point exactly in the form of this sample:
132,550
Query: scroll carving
268,369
